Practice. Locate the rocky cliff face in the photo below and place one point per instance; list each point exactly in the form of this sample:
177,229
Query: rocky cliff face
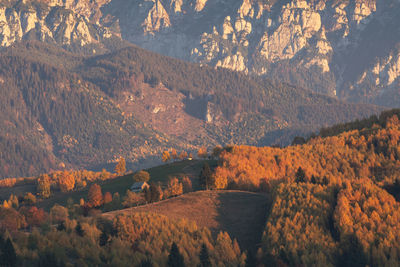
303,42
68,23
339,47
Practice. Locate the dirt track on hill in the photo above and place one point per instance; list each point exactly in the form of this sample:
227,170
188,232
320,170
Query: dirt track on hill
241,214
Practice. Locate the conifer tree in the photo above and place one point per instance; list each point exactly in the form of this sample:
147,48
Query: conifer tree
206,176
103,239
175,259
8,256
300,175
79,230
61,226
313,179
250,259
155,192
146,263
353,253
204,257
2,257
147,194
49,259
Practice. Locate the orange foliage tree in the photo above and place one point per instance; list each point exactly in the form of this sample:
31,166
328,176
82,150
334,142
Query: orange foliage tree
120,168
95,196
174,188
66,181
369,153
166,156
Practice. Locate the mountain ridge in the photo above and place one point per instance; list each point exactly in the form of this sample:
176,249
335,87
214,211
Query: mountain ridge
91,110
313,44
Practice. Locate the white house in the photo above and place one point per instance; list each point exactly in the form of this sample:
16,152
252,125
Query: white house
139,186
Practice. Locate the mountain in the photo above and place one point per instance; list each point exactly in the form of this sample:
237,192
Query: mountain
345,48
348,49
66,110
52,119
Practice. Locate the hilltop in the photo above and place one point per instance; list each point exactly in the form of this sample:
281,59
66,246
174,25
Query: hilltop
241,214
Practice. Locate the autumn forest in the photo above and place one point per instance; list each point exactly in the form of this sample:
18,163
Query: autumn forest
332,200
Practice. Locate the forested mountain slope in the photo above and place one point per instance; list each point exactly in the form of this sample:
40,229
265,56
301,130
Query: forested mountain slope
83,111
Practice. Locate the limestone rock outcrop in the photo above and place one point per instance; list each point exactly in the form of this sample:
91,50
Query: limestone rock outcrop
53,23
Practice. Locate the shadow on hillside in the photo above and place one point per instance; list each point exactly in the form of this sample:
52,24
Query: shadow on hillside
243,217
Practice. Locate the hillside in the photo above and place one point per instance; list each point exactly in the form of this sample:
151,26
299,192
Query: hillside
369,150
333,197
86,112
54,120
113,184
241,214
331,201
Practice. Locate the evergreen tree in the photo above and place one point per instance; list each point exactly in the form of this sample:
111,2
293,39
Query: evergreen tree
147,194
353,253
2,244
8,256
250,259
204,257
103,239
206,176
175,259
300,175
49,259
146,263
61,226
313,179
79,230
155,193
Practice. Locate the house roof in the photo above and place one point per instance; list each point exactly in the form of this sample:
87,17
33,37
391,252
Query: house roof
139,185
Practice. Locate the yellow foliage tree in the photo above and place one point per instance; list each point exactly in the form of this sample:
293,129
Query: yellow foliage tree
120,168
43,186
183,155
175,188
166,156
202,152
220,181
66,181
174,154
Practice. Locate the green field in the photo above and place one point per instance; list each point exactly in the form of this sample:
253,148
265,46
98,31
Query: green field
161,173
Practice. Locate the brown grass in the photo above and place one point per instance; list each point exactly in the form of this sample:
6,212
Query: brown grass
241,214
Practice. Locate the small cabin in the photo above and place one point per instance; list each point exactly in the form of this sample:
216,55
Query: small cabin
139,186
